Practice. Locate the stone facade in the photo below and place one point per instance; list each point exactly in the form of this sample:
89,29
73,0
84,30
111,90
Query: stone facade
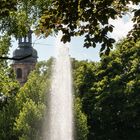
22,71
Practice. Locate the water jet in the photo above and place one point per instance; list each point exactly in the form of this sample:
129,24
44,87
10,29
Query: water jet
60,123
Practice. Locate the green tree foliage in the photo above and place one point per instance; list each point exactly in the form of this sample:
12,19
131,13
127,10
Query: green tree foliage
81,128
31,102
17,16
84,76
29,121
112,108
8,89
118,85
6,6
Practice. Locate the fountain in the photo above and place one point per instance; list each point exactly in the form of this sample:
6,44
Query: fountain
60,122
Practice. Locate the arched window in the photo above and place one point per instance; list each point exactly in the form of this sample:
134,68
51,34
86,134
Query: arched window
19,73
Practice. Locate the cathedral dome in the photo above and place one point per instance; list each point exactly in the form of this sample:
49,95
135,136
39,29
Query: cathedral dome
25,54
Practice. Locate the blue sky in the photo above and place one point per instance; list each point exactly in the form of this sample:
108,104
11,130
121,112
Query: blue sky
46,47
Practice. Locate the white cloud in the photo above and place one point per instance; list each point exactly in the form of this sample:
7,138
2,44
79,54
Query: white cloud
133,6
121,27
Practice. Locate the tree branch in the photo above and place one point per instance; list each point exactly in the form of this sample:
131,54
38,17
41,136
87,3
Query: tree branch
14,58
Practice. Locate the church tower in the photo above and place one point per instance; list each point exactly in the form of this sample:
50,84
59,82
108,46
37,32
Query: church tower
25,58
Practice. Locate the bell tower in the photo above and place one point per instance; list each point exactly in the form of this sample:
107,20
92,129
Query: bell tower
25,58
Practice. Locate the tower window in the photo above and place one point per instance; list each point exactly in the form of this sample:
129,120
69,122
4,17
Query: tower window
19,73
25,39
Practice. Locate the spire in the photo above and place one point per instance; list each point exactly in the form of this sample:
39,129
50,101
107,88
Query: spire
26,40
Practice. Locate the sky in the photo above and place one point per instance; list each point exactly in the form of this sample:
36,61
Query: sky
46,47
